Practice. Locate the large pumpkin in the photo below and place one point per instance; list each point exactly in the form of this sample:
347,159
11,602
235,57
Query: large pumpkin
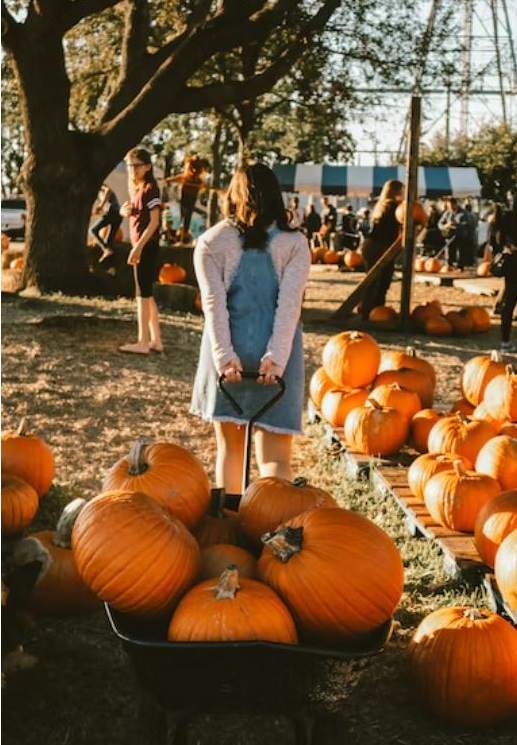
340,575
270,501
505,567
480,317
427,465
412,379
338,403
477,374
394,359
20,503
235,610
498,458
168,473
393,396
28,457
351,359
462,664
374,430
133,554
455,497
459,434
500,397
495,521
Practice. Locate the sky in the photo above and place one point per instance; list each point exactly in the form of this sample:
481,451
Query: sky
386,132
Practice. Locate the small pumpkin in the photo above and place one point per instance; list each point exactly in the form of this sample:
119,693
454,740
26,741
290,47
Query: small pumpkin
411,378
217,525
418,212
383,313
351,359
171,274
505,568
477,374
432,265
461,322
498,458
423,468
438,326
353,259
236,609
168,473
459,656
28,457
374,430
480,318
459,434
270,501
20,503
463,407
319,384
395,359
216,557
420,426
338,403
395,397
421,313
495,521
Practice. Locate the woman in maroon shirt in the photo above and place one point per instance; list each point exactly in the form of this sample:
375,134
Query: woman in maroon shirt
144,213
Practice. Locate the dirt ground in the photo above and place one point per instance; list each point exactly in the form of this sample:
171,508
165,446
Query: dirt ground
61,369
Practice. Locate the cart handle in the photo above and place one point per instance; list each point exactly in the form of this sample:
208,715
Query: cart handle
252,376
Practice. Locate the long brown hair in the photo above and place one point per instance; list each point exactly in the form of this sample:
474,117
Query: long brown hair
253,202
390,190
144,156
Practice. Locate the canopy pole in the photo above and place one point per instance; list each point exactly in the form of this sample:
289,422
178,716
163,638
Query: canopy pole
408,232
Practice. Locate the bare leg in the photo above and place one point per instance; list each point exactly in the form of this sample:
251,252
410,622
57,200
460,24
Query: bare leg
273,452
230,456
143,314
154,327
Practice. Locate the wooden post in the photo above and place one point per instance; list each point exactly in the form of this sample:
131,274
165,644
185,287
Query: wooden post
408,232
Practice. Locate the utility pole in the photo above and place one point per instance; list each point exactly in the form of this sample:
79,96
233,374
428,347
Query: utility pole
466,67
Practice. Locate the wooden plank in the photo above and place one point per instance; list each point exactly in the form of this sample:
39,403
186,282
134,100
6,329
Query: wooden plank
495,599
479,286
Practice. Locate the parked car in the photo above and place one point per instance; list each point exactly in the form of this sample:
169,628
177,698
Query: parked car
14,210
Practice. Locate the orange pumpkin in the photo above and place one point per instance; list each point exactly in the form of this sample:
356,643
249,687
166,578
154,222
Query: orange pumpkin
420,426
337,404
480,318
393,396
461,322
353,259
383,313
331,257
28,457
455,497
505,568
217,525
462,406
412,379
498,458
20,503
480,412
374,430
423,468
495,521
452,656
339,555
500,397
171,274
133,554
319,384
420,216
351,359
477,374
438,326
419,264
461,435
395,359
421,313
270,501
510,429
483,269
168,473
432,265
235,610
216,557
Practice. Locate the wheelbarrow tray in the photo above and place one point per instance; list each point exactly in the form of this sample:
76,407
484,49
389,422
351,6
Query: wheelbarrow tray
230,676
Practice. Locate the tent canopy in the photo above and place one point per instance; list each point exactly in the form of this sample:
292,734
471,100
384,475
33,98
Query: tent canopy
367,181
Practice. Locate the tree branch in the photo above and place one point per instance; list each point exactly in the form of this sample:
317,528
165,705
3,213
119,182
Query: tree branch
77,10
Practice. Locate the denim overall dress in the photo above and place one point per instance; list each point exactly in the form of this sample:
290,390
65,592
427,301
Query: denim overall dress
251,301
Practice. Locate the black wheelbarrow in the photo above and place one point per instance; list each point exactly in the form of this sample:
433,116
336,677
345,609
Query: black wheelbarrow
188,679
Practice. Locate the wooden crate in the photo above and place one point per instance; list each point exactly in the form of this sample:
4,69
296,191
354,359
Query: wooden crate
496,602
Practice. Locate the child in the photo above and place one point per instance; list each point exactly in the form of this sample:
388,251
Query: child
144,213
191,180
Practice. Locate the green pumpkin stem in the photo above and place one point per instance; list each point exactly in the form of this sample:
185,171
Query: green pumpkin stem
299,481
63,535
136,457
284,543
228,584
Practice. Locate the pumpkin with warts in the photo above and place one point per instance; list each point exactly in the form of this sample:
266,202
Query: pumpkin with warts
218,525
374,430
216,557
340,575
462,664
168,473
498,458
455,497
270,501
477,374
133,554
505,569
20,503
495,521
337,404
427,465
351,359
500,397
235,609
60,591
28,457
459,434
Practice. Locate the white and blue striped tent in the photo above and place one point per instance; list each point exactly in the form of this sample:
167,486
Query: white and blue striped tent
367,181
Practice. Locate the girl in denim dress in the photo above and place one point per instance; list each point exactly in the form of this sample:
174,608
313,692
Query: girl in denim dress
252,269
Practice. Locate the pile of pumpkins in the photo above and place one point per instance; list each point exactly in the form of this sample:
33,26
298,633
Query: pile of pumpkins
349,258
430,318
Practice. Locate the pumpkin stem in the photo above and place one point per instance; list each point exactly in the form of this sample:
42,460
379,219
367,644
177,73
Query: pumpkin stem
22,427
458,467
66,522
510,370
410,351
473,614
228,584
373,403
136,457
495,355
284,543
299,481
217,496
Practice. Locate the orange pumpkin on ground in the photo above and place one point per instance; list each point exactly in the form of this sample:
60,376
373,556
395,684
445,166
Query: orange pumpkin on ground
337,404
419,264
20,503
331,257
421,313
319,384
168,473
133,554
500,397
393,396
438,326
351,359
427,465
461,435
216,557
495,521
420,426
374,430
477,374
459,656
432,265
383,313
461,322
171,274
483,269
235,610
28,457
353,259
340,575
270,501
498,458
505,568
395,359
480,317
455,497
412,379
